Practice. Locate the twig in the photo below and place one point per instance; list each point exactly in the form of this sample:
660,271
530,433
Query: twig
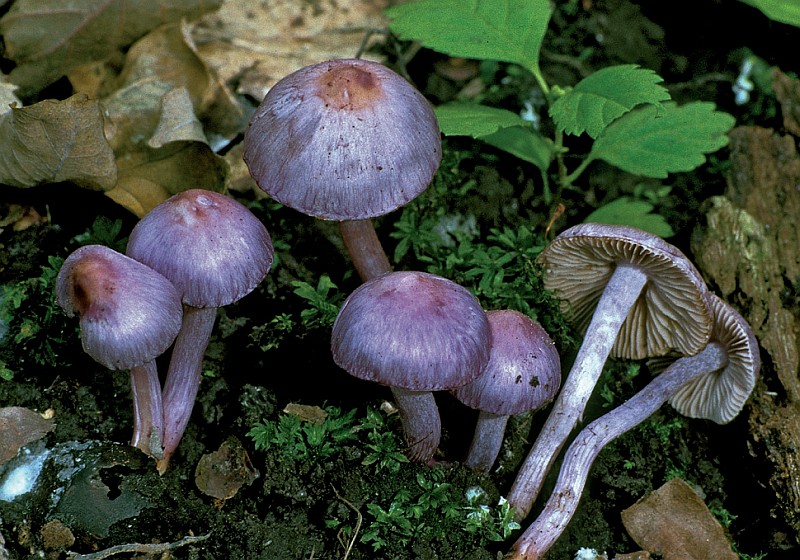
157,548
352,542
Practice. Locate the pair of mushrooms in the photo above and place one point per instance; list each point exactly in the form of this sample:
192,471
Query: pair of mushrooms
417,333
637,297
196,251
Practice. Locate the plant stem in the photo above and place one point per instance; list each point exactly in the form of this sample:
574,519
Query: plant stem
364,248
619,296
148,413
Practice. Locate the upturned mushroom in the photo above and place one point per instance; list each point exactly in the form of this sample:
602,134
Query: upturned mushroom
416,333
523,374
713,384
215,251
345,140
129,315
636,296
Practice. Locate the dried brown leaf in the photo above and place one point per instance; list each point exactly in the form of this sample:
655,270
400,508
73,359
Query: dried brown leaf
20,426
47,38
177,121
54,141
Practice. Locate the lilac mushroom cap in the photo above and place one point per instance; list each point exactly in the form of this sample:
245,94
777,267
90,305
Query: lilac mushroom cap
523,374
416,333
215,251
129,313
344,139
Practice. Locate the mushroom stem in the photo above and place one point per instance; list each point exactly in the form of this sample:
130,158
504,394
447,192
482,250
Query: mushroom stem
364,248
486,442
619,296
148,412
183,376
537,539
422,426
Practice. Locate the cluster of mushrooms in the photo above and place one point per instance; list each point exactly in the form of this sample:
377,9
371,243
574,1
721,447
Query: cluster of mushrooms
349,140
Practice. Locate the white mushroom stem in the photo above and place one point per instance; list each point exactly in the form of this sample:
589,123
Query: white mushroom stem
619,296
364,248
539,537
183,376
148,413
422,426
486,442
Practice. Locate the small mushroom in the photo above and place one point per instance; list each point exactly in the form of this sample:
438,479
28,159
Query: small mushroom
215,251
713,384
129,315
416,333
636,296
345,140
523,374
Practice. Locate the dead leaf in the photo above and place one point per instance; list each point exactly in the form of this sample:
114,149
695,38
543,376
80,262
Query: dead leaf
307,413
18,427
54,141
47,38
177,121
787,90
674,522
222,473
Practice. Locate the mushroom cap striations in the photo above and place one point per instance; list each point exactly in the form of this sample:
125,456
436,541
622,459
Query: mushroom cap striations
671,312
209,245
129,313
720,395
524,369
412,330
345,139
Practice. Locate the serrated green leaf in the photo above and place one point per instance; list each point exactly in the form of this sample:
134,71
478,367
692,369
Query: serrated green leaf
784,11
651,142
626,211
471,119
604,96
523,142
504,30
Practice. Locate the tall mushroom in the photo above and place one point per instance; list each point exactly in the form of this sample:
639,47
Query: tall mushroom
713,384
345,140
523,374
417,333
129,315
636,296
215,251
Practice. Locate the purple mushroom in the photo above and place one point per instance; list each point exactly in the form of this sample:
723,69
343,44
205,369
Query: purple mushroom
345,140
523,374
129,315
215,251
713,384
636,296
416,333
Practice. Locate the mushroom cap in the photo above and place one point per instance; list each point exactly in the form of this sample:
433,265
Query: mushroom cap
210,246
671,313
129,313
412,330
345,139
524,369
720,395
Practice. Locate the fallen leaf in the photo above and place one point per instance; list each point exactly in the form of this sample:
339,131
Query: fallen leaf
787,90
54,141
307,413
222,473
673,521
47,38
20,426
177,121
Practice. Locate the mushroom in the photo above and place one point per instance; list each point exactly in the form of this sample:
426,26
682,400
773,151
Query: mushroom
648,299
713,384
345,140
417,333
523,374
129,315
215,251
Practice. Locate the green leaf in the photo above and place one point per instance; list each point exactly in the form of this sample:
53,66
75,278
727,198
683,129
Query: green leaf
504,30
627,211
784,11
604,96
652,142
523,142
471,119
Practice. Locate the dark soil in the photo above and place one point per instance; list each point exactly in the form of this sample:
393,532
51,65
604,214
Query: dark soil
696,46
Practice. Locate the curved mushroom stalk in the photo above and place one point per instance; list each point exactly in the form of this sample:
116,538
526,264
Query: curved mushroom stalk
485,447
148,412
422,425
